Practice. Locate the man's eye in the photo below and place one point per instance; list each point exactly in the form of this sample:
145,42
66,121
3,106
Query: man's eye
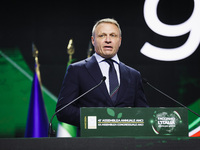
113,35
101,35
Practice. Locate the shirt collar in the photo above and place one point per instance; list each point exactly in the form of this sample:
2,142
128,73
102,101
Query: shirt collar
100,59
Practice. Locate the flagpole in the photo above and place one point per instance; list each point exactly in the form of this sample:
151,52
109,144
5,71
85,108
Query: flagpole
37,120
37,65
70,51
67,130
89,52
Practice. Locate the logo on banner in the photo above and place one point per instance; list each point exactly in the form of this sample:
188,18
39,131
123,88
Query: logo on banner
165,123
190,26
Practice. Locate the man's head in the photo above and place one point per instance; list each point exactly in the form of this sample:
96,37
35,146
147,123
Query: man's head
106,37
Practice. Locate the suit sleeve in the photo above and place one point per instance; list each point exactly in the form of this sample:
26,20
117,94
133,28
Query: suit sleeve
69,91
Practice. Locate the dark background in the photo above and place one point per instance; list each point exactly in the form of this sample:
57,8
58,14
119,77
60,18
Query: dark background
50,25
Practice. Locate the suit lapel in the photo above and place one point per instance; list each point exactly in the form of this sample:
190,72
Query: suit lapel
94,70
124,81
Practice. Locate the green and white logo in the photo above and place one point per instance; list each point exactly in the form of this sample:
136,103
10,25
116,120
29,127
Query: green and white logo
165,123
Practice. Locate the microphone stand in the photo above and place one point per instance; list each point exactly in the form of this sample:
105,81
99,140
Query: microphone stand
51,132
146,82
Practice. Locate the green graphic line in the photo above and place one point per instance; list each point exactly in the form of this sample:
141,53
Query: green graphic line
27,75
16,66
195,122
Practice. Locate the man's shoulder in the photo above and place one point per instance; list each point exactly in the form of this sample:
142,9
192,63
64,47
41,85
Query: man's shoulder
82,63
131,70
79,63
128,67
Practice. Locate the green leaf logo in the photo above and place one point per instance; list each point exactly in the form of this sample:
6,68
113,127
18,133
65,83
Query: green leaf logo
119,115
110,112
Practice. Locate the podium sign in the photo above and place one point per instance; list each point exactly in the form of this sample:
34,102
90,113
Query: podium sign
110,122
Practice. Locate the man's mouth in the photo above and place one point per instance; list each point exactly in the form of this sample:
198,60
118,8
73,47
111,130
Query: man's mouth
107,47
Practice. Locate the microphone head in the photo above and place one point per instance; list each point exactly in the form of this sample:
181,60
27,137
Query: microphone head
104,78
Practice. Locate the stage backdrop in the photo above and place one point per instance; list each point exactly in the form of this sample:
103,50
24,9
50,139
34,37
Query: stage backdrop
159,38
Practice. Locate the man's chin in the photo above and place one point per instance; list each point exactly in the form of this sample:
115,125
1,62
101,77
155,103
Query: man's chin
108,55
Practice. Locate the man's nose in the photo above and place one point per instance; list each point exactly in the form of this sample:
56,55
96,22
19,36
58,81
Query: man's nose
108,39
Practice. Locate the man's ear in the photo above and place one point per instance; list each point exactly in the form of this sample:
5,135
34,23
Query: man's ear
120,41
92,40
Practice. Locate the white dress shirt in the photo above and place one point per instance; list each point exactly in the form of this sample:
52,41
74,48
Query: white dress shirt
104,66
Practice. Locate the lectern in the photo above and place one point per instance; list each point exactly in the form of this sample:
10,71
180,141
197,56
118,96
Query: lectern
130,122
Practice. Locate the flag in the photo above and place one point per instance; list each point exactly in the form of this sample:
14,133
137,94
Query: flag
195,132
67,130
37,120
193,120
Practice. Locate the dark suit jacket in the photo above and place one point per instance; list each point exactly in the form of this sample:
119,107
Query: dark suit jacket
82,76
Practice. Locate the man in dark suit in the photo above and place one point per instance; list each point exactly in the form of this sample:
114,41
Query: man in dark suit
122,87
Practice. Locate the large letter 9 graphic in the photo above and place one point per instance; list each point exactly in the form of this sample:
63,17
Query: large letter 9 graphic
192,25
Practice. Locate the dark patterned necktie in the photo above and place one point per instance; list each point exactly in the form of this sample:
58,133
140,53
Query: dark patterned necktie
113,80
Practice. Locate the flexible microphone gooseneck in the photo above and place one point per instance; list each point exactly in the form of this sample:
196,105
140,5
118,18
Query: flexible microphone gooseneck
51,132
146,82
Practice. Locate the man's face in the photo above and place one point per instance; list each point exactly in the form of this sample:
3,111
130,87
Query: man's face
106,40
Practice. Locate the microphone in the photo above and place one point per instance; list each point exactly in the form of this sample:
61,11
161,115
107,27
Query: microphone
51,132
146,82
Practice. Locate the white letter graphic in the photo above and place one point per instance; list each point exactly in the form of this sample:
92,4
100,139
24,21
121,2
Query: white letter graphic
192,25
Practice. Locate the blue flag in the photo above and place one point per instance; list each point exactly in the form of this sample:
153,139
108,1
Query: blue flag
37,122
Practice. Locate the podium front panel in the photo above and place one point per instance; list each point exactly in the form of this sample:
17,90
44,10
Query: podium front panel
130,122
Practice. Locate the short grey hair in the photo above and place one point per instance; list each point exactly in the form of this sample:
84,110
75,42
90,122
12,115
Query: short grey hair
106,20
